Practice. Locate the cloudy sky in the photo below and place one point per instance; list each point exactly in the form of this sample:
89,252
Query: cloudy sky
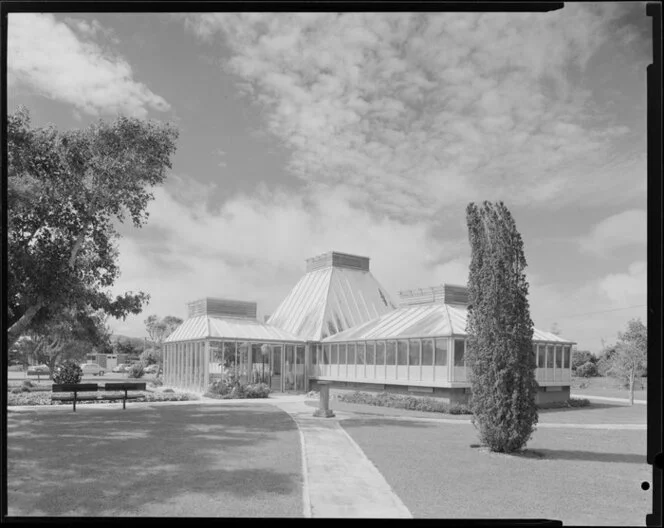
368,134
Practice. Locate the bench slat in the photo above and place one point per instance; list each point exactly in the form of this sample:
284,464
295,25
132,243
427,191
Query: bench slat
75,387
124,386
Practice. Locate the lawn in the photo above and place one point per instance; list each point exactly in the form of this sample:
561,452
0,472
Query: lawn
606,387
161,460
586,477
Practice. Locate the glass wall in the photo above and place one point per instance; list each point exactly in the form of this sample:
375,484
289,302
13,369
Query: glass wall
427,360
459,373
360,361
402,360
351,361
391,360
300,381
370,368
380,360
440,359
414,360
558,364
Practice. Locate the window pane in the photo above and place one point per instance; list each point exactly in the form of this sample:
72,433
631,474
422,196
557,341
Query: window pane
342,354
402,355
391,353
559,356
541,356
360,353
370,353
380,352
427,352
351,354
566,360
315,352
414,353
441,352
459,352
549,356
335,354
326,355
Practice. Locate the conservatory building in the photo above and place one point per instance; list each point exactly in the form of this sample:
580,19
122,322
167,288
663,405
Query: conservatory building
339,325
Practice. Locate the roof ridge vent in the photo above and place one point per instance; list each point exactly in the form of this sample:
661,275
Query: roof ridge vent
336,259
221,307
442,294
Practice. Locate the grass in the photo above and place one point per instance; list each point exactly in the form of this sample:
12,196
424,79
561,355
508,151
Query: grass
165,461
606,387
579,476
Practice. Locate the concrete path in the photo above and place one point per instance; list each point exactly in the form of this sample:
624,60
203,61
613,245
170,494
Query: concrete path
340,481
607,398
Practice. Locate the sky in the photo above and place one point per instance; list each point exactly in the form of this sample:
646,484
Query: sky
367,133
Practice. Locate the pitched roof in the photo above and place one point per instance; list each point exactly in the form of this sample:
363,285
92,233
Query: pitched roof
430,320
331,299
210,326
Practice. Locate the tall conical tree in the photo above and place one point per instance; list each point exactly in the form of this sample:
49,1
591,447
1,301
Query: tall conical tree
500,331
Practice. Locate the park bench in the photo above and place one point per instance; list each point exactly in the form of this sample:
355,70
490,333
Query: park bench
93,387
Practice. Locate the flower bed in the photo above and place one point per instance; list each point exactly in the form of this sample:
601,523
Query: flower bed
44,397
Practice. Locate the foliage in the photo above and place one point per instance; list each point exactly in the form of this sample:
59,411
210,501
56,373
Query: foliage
44,398
67,336
581,357
151,356
500,331
404,401
69,372
631,356
136,371
572,402
587,370
160,329
156,382
124,347
226,388
65,191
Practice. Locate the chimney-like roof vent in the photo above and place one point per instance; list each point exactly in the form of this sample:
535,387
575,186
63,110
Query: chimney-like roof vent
337,260
221,307
443,294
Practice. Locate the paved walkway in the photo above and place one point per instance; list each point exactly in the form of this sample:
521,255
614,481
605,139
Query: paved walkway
607,398
340,481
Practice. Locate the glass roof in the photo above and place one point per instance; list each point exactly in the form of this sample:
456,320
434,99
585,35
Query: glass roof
209,326
429,320
329,300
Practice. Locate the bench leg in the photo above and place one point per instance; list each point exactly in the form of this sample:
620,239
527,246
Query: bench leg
124,401
74,402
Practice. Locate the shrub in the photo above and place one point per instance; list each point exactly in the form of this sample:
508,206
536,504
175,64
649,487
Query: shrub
69,372
136,371
500,331
157,382
168,390
404,401
257,390
28,384
587,370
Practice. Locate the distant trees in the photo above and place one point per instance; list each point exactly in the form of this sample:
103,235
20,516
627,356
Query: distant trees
500,331
64,191
581,357
158,330
630,358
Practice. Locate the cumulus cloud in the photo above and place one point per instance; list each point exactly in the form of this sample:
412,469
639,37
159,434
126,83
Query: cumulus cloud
420,111
626,288
50,58
620,231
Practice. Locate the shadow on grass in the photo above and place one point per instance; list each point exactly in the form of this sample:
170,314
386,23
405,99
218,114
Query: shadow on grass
95,461
592,407
591,456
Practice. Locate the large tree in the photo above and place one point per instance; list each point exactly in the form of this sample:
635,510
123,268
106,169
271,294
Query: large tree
71,334
160,329
500,331
64,191
630,358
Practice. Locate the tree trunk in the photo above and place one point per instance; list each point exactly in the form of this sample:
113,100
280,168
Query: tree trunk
20,326
631,387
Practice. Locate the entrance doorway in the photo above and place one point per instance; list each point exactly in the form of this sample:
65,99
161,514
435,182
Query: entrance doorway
275,368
